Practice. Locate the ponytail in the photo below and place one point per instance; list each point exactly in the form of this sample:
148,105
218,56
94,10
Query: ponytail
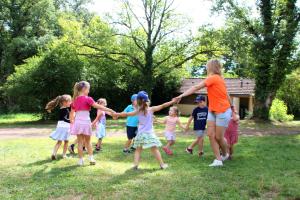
53,103
142,106
57,101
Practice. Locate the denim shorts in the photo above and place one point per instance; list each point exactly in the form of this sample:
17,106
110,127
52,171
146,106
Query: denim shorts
199,133
221,119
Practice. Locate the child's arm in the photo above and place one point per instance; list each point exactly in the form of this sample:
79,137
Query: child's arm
98,106
180,124
124,114
162,106
72,115
99,114
189,123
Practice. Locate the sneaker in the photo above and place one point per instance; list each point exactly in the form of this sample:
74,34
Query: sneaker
201,154
164,166
132,149
166,150
80,162
225,157
126,151
188,150
92,161
53,157
216,163
135,167
71,149
97,149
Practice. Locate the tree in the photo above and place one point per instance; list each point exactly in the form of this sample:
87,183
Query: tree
273,44
144,34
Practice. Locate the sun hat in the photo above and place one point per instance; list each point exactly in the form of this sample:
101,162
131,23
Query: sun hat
143,96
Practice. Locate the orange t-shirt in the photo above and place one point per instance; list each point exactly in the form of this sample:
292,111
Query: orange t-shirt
217,94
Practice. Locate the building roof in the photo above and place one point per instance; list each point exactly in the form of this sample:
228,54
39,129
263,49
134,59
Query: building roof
235,86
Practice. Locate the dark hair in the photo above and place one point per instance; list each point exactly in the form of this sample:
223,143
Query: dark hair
57,101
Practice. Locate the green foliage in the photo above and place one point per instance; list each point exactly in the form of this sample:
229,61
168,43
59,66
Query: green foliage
278,111
289,92
43,77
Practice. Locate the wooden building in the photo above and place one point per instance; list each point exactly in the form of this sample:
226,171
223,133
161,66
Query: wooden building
240,90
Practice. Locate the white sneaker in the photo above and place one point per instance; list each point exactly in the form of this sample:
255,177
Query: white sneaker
164,166
65,157
92,161
80,162
225,157
216,163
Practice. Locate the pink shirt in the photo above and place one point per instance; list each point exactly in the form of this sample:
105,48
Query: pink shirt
83,103
171,123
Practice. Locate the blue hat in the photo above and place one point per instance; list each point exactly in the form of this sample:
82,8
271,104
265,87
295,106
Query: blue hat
143,96
199,98
133,97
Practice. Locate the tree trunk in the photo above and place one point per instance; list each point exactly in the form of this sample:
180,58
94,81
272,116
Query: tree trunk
263,102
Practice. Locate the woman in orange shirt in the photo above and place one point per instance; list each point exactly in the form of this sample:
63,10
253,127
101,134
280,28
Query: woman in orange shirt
219,107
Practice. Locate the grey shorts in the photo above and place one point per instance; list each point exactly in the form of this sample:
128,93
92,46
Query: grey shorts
221,119
199,133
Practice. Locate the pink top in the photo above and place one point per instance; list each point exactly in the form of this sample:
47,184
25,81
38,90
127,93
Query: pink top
82,103
171,123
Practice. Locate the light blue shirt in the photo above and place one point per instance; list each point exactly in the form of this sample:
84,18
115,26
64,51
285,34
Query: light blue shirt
132,121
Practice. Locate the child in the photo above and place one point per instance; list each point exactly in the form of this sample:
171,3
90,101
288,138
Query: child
231,134
199,116
131,124
171,121
99,123
82,126
145,137
62,132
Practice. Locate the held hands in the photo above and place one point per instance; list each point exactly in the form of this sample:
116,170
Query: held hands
176,99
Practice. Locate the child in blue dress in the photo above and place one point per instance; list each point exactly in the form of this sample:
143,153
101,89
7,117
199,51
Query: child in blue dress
62,132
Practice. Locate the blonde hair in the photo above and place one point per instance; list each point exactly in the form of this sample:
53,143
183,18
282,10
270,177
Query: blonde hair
214,67
143,105
78,87
102,101
176,110
57,101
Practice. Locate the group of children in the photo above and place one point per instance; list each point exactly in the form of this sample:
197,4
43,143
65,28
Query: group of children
74,119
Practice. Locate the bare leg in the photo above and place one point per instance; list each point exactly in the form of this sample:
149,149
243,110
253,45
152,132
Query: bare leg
157,155
137,156
99,143
88,145
200,143
220,139
194,144
127,144
169,143
211,132
56,147
65,147
80,146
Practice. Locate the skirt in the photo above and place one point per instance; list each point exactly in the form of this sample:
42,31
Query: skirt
100,131
146,140
82,124
62,131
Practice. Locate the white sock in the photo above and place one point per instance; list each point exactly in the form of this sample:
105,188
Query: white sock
91,157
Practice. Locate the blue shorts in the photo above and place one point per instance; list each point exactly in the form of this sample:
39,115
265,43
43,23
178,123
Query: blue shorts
221,119
199,133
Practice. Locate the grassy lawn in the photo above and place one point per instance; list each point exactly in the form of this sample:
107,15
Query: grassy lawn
264,167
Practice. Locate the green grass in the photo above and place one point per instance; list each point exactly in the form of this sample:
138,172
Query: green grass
19,119
263,168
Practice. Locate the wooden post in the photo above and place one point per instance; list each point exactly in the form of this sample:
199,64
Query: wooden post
236,103
250,105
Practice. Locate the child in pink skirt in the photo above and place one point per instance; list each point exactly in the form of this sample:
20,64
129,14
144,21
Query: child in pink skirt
231,134
81,121
171,121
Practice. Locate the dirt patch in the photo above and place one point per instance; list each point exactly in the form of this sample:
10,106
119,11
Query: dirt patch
29,132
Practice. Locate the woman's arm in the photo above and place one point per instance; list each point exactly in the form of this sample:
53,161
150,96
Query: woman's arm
190,91
162,106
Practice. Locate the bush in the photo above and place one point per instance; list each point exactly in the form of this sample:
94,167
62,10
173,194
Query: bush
278,111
